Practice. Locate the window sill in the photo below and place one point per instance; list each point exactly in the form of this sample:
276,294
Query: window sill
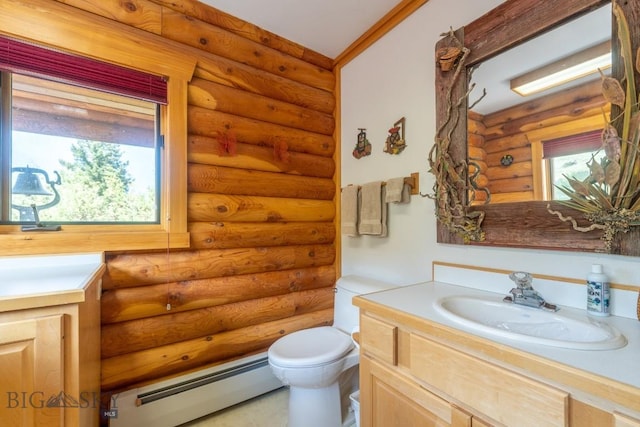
49,242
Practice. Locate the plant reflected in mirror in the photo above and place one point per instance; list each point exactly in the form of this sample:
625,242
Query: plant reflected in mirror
609,197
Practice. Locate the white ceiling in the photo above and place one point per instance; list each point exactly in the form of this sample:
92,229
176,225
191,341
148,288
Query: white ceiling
325,26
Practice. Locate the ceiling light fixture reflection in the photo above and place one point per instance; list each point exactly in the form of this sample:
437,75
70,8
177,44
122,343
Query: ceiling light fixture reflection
565,70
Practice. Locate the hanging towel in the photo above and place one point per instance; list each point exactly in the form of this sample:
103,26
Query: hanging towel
349,210
371,209
398,191
383,214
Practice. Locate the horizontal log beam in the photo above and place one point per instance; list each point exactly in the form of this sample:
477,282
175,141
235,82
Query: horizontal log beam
136,269
579,97
122,304
475,140
513,185
519,196
232,181
142,14
515,170
202,121
206,150
545,120
230,73
226,235
142,334
245,29
502,145
213,39
217,207
214,96
131,368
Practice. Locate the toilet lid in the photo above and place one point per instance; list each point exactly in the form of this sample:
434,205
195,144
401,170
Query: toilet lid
310,347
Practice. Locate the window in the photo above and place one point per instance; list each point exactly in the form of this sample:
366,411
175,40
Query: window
60,27
77,155
574,166
569,156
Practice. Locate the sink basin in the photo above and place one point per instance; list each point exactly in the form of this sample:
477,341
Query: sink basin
531,325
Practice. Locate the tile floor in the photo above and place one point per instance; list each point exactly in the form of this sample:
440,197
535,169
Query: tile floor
268,410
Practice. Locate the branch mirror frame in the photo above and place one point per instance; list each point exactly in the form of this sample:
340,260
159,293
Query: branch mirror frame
520,224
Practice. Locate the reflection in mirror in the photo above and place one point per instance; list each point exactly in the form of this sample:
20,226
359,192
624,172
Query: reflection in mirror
523,145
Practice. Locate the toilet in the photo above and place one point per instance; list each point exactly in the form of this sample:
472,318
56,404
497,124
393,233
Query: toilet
320,365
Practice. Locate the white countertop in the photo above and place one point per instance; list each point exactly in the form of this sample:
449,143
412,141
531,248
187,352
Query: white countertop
36,281
621,365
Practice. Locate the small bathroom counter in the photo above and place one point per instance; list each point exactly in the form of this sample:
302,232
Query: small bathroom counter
604,374
41,281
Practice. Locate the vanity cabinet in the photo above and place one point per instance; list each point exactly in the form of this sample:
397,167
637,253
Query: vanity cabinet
411,374
620,420
50,360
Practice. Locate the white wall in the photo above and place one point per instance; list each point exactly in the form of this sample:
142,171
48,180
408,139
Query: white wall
395,78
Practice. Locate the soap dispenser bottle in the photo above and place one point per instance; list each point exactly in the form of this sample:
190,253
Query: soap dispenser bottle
597,292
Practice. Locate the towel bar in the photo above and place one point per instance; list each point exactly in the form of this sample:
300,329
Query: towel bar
412,181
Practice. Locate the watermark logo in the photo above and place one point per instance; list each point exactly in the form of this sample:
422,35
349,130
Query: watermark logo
38,400
112,411
62,400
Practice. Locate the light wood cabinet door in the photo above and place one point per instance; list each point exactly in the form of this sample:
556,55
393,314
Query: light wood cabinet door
462,418
621,420
31,371
391,400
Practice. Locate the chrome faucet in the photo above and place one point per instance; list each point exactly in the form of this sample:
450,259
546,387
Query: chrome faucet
524,294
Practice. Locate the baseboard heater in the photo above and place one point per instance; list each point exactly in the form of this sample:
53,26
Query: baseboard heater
186,398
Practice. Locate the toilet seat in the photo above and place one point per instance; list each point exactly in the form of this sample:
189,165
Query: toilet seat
310,347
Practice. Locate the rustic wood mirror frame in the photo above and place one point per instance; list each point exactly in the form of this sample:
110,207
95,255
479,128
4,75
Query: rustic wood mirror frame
523,224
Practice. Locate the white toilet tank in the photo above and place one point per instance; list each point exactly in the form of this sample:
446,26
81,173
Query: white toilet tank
345,315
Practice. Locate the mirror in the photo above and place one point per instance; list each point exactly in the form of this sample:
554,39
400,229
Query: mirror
510,130
515,224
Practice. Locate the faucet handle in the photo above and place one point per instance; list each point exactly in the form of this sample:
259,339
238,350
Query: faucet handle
522,279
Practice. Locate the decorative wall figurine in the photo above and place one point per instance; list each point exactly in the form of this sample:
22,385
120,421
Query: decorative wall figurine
363,146
395,141
281,150
446,57
227,143
506,160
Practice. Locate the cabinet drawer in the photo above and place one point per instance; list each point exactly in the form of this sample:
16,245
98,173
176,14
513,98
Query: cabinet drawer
498,393
379,339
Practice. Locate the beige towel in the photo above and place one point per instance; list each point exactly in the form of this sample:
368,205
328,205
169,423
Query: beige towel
398,191
349,210
383,214
372,210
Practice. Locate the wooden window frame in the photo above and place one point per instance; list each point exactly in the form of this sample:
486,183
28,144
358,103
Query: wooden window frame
55,25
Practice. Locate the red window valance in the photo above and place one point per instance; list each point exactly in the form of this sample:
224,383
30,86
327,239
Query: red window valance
573,144
26,58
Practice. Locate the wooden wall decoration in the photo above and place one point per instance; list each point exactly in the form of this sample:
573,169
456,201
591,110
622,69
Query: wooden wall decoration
262,257
363,146
522,224
396,142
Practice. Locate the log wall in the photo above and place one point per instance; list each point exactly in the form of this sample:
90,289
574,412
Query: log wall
477,158
261,203
516,131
